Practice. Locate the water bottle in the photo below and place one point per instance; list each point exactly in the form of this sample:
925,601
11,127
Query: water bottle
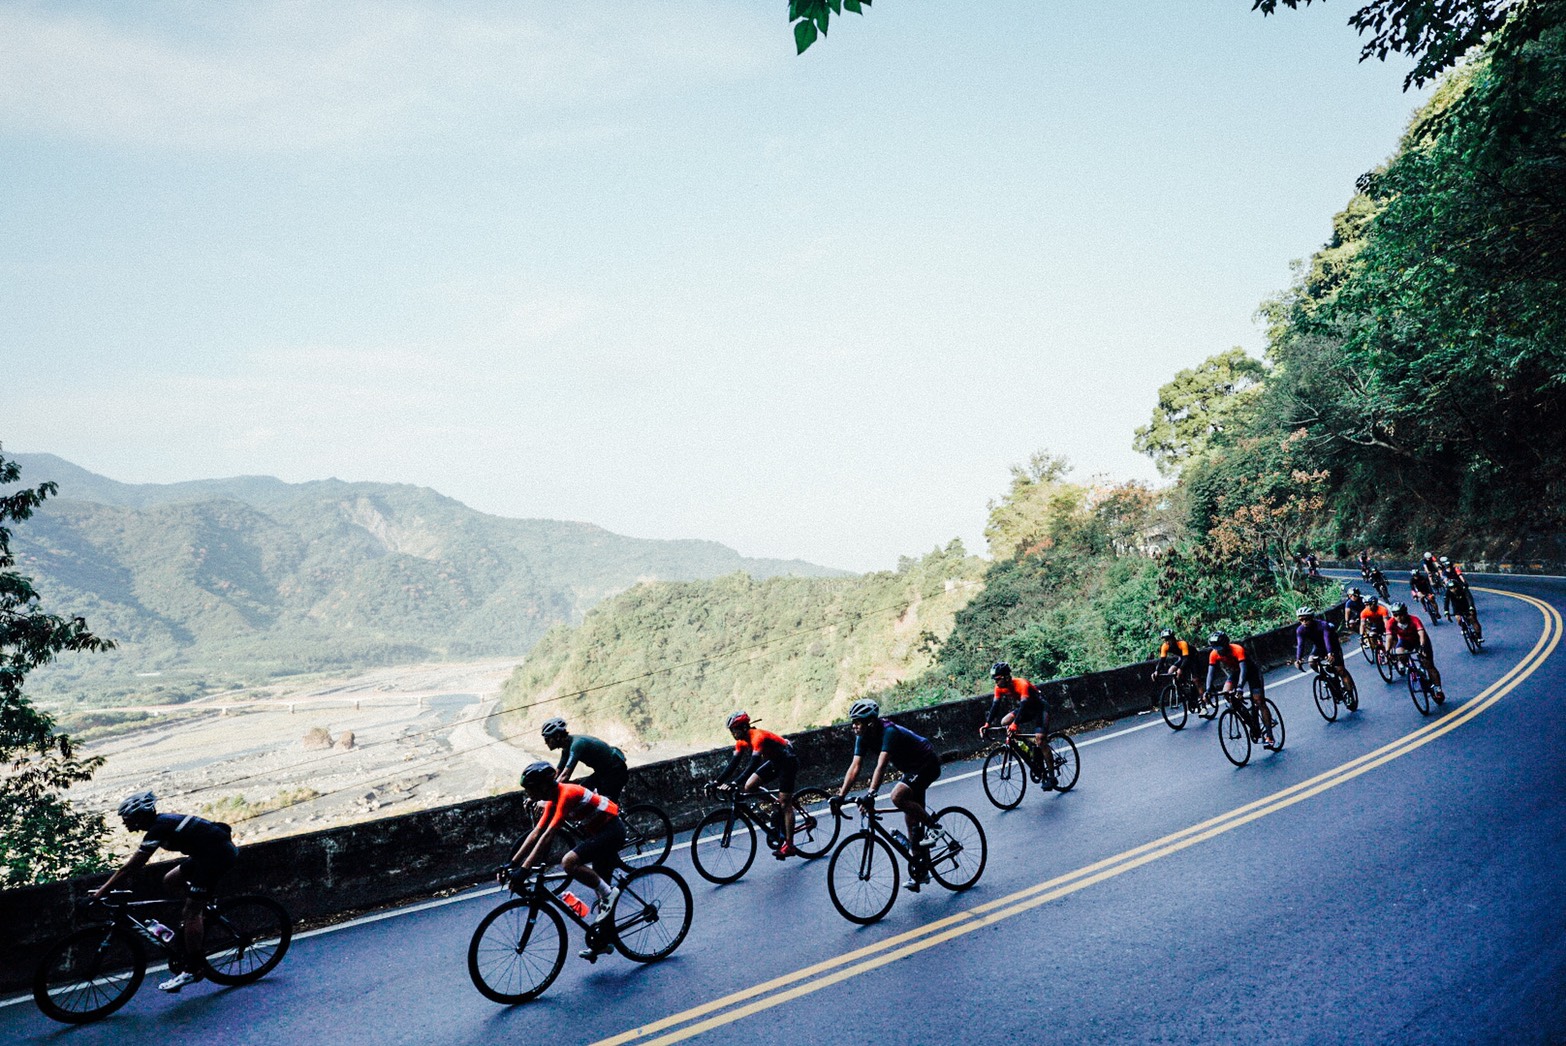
575,903
900,839
161,932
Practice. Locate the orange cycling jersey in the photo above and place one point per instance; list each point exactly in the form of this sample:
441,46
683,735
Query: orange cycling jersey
763,743
1376,617
1179,645
1021,689
1233,656
575,803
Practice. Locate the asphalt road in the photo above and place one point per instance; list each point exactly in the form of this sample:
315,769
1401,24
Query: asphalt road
1385,878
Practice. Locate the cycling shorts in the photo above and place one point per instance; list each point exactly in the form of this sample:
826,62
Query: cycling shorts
920,780
602,848
1030,710
201,873
784,769
608,783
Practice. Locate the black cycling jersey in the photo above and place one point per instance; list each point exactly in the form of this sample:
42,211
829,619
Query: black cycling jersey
188,834
908,751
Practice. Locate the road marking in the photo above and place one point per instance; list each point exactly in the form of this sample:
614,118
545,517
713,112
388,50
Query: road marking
779,990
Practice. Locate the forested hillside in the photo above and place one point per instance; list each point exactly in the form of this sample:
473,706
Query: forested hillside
229,580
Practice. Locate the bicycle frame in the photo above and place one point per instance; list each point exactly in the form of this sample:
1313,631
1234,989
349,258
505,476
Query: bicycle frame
870,820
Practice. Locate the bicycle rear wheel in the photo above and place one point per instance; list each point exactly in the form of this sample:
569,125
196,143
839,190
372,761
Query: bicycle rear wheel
1063,757
1005,778
723,846
246,937
1326,701
652,914
957,861
1234,737
862,878
1172,704
517,951
815,825
89,974
649,835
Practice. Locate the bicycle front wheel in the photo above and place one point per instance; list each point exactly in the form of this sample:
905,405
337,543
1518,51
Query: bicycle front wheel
1468,635
652,914
1172,704
862,878
89,974
1419,690
1277,724
1351,694
958,860
1063,756
246,937
1005,778
517,951
815,825
1383,665
1207,705
723,846
649,835
1234,737
1326,701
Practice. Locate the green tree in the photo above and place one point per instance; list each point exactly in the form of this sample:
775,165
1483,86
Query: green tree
810,17
41,836
1199,406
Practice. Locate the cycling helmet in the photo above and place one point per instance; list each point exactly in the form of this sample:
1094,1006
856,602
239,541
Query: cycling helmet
1398,608
555,727
738,720
1415,572
1305,612
998,669
538,778
1371,601
1429,555
1218,639
1446,561
138,804
864,711
1167,633
1354,592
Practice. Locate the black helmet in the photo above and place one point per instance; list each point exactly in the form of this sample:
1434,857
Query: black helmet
864,711
1371,601
555,727
1415,572
538,778
1354,592
1218,639
1167,633
998,669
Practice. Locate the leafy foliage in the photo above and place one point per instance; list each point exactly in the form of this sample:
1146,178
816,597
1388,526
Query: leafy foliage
1199,406
810,17
41,836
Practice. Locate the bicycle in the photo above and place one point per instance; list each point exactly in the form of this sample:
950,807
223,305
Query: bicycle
1239,727
724,842
1180,696
1432,608
1373,649
1420,688
1329,690
863,876
519,948
91,972
1470,637
649,834
1008,767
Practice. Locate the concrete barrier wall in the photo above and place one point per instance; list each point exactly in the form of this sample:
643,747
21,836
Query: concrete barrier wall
338,870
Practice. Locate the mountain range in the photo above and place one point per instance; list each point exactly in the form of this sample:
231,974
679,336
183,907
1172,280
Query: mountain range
235,579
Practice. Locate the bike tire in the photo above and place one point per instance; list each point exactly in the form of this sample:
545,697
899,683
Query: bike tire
651,914
1005,778
517,951
246,937
862,878
1368,652
1277,724
1063,754
649,836
1326,700
1207,706
1351,695
1419,690
1234,737
815,825
957,866
1468,635
1383,666
1172,704
89,974
723,846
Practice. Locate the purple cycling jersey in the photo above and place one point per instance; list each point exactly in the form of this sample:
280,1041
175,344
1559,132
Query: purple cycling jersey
1313,635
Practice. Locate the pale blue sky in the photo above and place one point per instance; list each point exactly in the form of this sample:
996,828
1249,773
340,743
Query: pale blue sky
640,265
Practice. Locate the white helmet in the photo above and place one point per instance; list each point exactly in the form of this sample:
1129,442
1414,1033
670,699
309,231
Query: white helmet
864,711
140,803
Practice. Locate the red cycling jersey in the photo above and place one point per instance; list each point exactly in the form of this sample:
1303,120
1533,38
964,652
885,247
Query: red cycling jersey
575,803
1407,634
763,743
1020,689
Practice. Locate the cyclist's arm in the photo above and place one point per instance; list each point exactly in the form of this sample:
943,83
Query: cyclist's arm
848,778
135,861
879,772
741,750
1212,674
536,845
567,763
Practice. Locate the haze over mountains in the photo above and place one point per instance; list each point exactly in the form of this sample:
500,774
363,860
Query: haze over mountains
228,580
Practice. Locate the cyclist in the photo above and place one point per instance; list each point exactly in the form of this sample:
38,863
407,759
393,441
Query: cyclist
1031,707
1312,565
1373,622
1229,658
1378,580
1175,657
597,818
1451,571
1364,564
1353,606
1315,635
1459,599
909,753
1432,568
1408,636
1420,587
770,756
607,763
209,852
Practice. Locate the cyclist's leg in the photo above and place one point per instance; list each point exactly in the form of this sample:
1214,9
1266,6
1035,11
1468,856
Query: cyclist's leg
788,772
1427,658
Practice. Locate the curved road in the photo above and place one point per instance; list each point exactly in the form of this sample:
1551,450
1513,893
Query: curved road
1386,878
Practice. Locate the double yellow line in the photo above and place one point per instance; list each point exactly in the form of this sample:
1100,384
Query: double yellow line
741,1004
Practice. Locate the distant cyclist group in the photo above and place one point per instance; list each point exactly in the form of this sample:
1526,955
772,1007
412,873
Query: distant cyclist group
520,947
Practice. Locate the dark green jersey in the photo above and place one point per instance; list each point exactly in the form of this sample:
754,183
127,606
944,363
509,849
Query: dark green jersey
596,754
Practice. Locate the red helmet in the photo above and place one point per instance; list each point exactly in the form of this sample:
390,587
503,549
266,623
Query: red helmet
739,721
